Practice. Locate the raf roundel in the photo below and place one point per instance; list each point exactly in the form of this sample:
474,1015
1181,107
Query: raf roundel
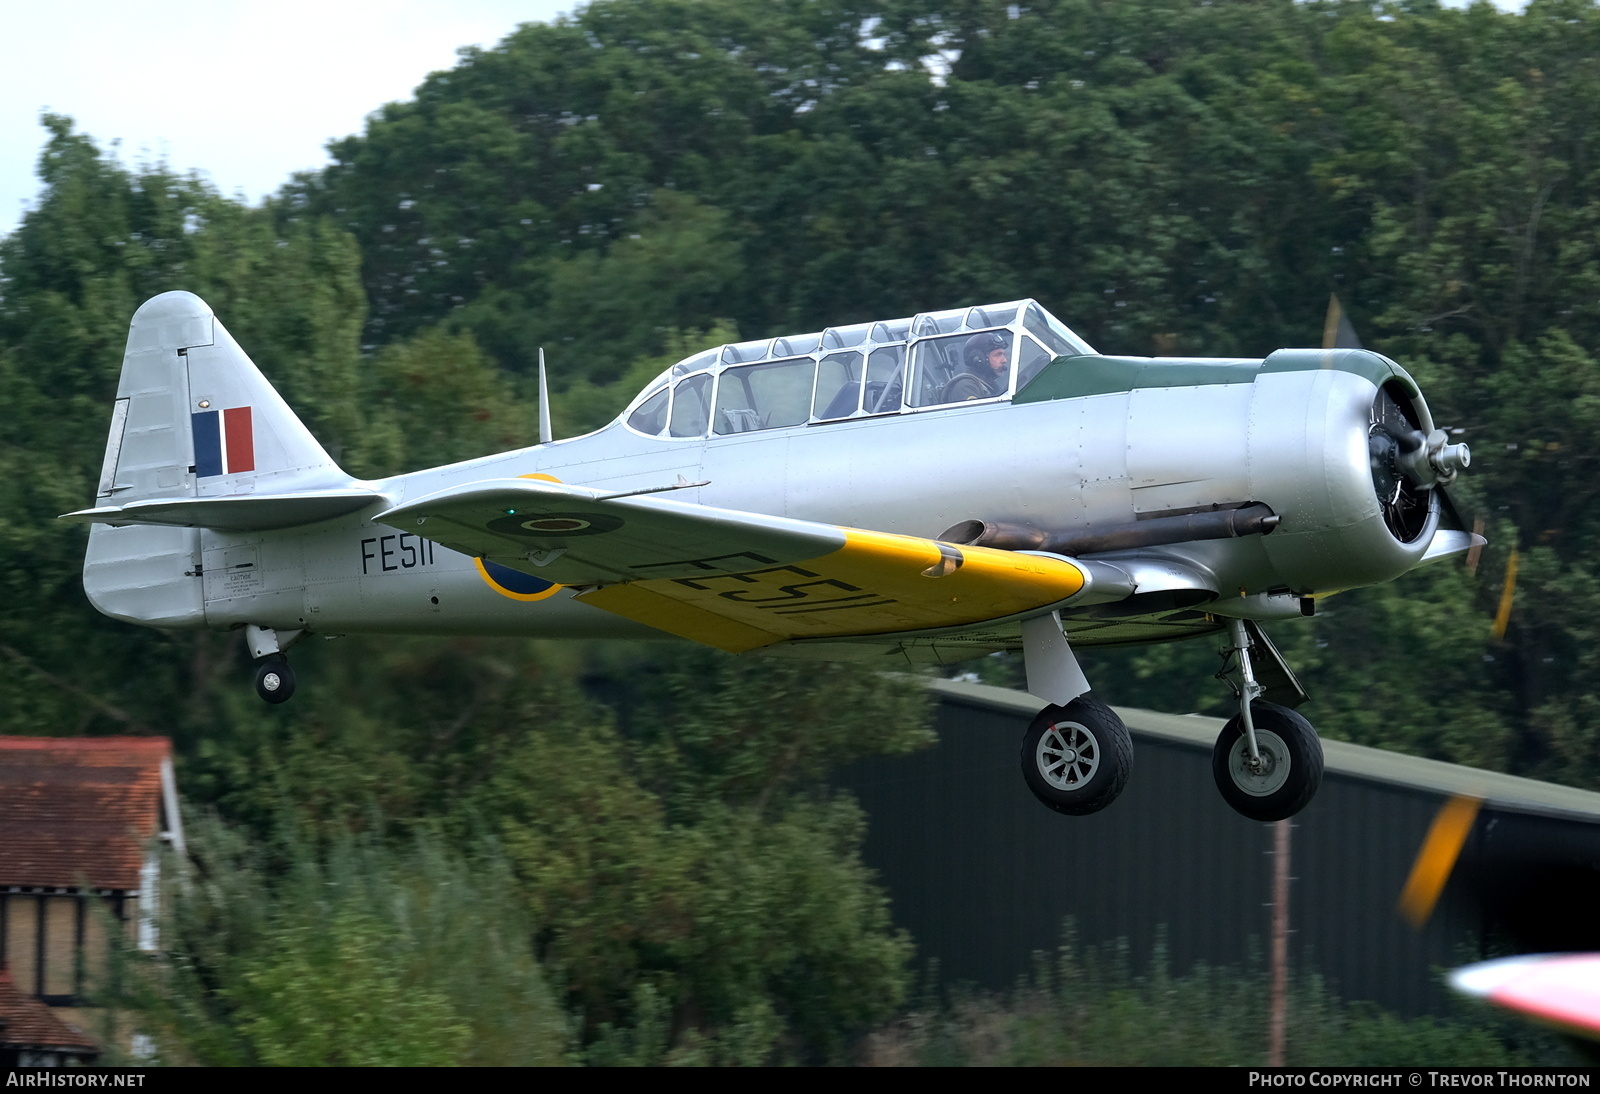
514,583
556,525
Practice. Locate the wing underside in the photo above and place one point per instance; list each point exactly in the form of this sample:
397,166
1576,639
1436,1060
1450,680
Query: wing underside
873,584
740,581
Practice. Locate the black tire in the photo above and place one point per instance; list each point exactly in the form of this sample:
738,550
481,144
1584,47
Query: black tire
1076,759
275,680
1293,754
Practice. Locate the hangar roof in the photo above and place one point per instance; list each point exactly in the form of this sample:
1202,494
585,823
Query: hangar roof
1339,757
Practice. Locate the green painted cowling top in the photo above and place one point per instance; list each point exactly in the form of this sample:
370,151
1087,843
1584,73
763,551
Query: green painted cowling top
1071,377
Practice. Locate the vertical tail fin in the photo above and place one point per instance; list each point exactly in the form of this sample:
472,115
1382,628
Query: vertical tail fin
194,417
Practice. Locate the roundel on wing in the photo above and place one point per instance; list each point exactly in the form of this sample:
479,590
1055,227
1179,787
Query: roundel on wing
514,583
555,525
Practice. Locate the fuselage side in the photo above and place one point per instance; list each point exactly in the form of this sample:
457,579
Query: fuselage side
996,413
1294,440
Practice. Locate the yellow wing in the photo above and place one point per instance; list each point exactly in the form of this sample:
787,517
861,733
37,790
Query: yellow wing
736,580
874,584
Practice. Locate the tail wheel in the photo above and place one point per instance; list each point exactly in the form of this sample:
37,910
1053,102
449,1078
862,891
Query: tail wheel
275,679
1290,770
1076,759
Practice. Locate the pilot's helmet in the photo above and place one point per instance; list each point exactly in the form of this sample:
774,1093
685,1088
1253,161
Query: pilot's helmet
979,346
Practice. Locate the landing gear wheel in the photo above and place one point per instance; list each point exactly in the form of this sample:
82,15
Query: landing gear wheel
1290,770
1076,758
275,679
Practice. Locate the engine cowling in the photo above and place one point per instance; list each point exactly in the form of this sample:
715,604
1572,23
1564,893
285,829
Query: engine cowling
1344,449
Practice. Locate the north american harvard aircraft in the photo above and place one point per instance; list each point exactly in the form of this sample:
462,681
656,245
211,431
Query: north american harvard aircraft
908,492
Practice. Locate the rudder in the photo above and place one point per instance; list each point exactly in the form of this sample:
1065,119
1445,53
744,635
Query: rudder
193,417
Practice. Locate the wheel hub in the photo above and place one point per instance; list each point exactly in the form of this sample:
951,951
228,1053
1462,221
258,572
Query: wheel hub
1266,775
271,681
1068,756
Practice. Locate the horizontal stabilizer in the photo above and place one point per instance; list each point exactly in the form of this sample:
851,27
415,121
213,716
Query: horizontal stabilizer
735,580
237,513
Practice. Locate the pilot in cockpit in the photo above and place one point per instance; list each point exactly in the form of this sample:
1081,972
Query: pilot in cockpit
987,358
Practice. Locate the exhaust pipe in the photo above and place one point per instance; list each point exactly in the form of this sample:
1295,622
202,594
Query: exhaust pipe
1248,520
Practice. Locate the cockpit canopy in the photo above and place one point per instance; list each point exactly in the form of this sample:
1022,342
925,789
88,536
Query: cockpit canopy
936,359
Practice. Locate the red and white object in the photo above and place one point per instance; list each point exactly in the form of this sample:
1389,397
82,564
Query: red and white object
1562,990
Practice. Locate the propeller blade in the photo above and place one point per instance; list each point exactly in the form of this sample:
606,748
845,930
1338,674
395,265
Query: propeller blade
1449,516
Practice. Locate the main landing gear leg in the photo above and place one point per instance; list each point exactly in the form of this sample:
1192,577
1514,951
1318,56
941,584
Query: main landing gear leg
1077,754
1249,690
274,677
1268,761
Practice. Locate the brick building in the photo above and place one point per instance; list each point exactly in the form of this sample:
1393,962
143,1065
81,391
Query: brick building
82,823
32,1036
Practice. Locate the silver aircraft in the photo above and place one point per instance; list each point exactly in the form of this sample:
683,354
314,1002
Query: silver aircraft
916,491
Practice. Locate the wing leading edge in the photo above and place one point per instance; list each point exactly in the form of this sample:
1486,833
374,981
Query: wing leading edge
738,580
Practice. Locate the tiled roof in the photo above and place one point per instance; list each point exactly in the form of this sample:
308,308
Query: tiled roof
27,1023
74,808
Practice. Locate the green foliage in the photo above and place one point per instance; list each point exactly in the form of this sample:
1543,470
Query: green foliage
1087,1008
605,309
331,994
358,955
693,893
441,400
743,730
690,872
586,405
